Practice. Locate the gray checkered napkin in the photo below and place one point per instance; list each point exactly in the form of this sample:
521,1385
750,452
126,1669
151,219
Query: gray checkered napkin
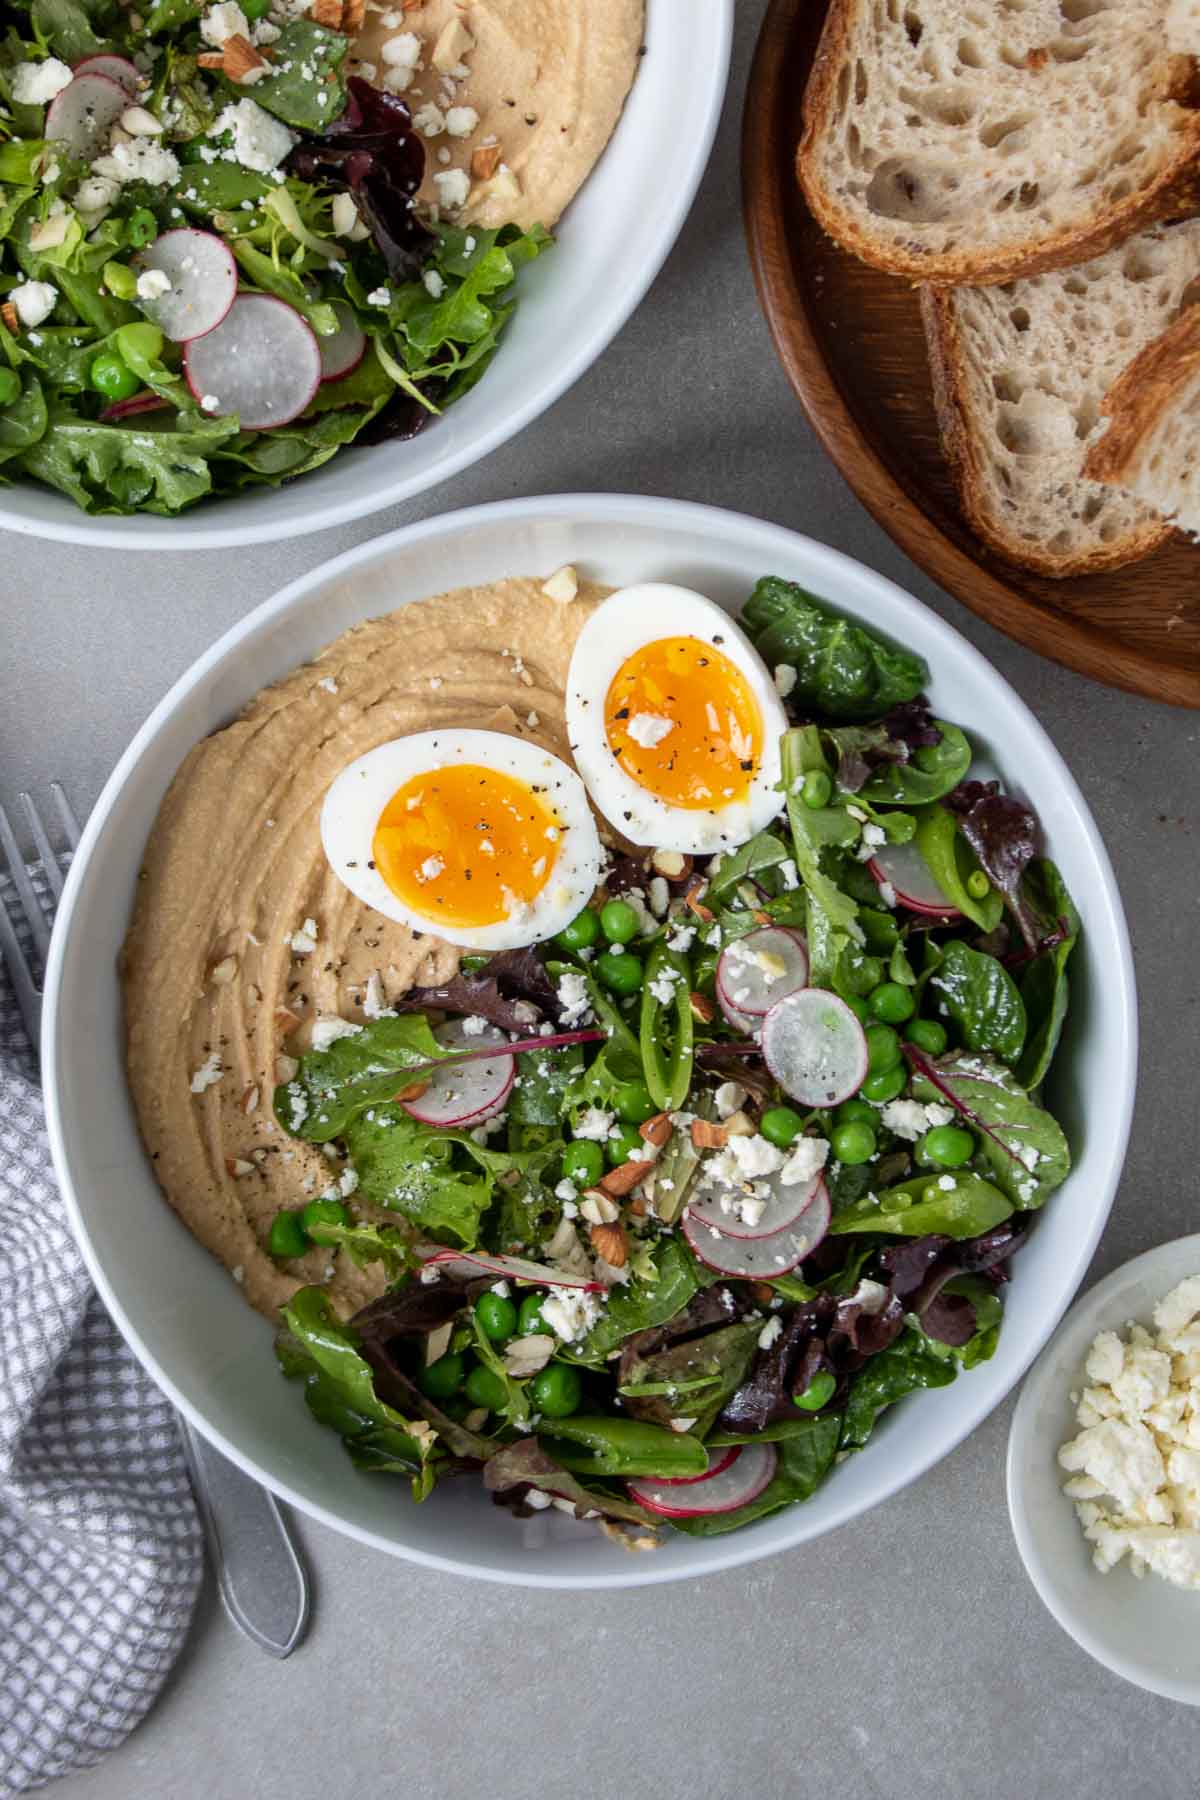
100,1546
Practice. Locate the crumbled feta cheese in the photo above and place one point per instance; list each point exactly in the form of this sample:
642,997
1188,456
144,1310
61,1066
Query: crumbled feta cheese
453,186
907,1118
461,121
304,941
260,142
94,193
34,301
681,938
771,1330
209,1072
662,988
872,837
594,1123
430,120
430,869
563,585
572,991
152,284
222,22
785,679
402,51
474,1026
806,1159
570,1313
328,1028
649,729
380,296
36,83
872,1296
139,159
434,286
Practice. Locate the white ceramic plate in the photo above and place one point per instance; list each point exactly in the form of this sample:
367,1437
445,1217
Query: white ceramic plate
1147,1630
181,1312
612,241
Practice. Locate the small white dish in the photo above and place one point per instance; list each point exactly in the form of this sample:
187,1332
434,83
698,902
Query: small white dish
1144,1630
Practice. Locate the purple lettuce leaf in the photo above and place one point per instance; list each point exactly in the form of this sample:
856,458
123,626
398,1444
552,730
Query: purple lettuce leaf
1003,833
512,990
511,1472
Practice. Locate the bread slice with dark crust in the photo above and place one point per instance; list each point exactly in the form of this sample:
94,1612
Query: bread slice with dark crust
1019,375
1151,448
981,140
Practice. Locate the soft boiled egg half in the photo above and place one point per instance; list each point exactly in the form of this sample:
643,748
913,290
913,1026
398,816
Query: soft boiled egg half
482,839
674,721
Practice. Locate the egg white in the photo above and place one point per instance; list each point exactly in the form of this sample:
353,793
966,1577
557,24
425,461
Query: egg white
639,615
358,796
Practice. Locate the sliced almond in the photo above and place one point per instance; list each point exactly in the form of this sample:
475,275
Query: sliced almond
241,62
237,1166
621,1181
656,1131
702,1008
761,917
438,1342
504,186
598,1209
286,1020
250,1098
637,1206
223,972
211,59
454,42
673,865
286,1069
707,1136
740,1124
527,1355
484,163
610,1243
353,13
413,1091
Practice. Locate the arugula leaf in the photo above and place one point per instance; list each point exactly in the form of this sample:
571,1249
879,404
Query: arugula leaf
843,669
806,1455
1045,988
904,1366
1022,1144
333,1086
305,88
982,998
964,1208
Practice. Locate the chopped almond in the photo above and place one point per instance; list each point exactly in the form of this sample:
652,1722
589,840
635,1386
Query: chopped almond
286,1069
327,13
707,1136
286,1020
598,1209
237,1166
672,865
610,1243
657,1130
241,62
353,13
563,585
740,1124
762,1290
625,1178
760,917
637,1206
223,972
453,44
11,317
484,162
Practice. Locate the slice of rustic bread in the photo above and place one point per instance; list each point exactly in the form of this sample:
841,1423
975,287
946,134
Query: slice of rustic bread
1020,373
1151,449
980,140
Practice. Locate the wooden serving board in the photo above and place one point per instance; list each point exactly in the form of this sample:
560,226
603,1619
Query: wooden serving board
850,339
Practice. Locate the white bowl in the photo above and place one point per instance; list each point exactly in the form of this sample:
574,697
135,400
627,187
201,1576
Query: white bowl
181,1312
1144,1630
612,241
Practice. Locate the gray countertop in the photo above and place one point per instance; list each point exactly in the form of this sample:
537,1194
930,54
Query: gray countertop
906,1653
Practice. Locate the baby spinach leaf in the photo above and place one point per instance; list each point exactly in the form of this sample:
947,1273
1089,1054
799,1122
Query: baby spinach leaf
959,1204
806,1454
305,86
933,770
1023,1145
982,999
638,1305
903,1367
951,861
332,1086
843,670
1045,988
539,1095
65,25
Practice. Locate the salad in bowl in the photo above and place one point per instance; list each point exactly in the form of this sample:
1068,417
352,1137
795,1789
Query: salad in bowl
608,1041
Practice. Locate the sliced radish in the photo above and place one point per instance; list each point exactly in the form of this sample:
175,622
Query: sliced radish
469,1263
116,68
741,1021
722,1490
82,115
464,1093
757,970
815,1047
718,1462
203,276
760,1258
262,362
342,353
902,868
782,1206
146,402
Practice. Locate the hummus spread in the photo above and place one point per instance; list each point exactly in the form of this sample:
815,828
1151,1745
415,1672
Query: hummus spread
242,936
520,96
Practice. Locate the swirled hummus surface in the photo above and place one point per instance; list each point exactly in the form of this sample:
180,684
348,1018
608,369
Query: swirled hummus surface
242,935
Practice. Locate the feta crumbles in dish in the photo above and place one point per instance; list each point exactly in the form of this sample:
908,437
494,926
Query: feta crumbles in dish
1135,1465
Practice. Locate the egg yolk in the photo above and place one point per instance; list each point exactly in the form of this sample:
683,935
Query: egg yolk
682,720
466,845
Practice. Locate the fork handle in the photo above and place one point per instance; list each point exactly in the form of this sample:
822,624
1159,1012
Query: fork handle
259,1571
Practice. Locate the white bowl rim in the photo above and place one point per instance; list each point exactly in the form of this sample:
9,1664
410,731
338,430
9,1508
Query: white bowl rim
614,509
613,309
1083,1319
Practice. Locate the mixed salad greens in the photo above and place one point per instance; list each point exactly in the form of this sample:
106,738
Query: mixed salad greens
673,1207
215,277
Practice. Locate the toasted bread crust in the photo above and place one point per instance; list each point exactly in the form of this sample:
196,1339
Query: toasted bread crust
1174,194
1138,398
947,362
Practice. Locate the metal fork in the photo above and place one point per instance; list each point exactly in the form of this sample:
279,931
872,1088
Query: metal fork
261,1576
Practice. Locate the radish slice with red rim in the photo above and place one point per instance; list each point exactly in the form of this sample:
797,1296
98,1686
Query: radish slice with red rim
203,275
755,971
781,1205
116,68
815,1047
902,868
262,362
718,1462
464,1093
83,113
760,1258
467,1264
725,1490
344,350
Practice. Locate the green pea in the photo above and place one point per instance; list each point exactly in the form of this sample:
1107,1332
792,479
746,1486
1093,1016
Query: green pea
287,1236
440,1379
858,1007
530,1322
622,1144
581,933
620,971
891,1003
497,1316
978,885
633,1103
485,1388
318,1215
112,378
120,280
583,1162
618,921
856,1109
883,1048
817,790
927,1035
781,1126
817,1393
142,227
853,1142
10,386
557,1390
946,1147
884,1085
